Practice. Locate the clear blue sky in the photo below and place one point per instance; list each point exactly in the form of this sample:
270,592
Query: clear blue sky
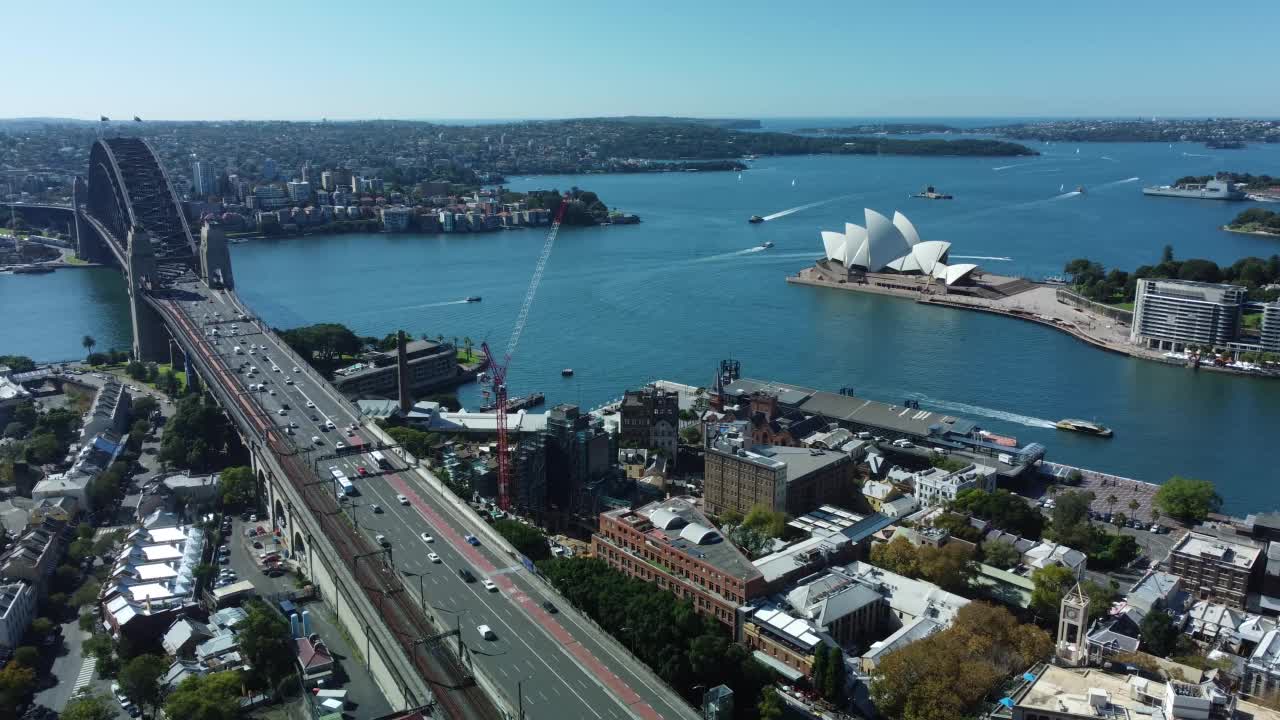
286,59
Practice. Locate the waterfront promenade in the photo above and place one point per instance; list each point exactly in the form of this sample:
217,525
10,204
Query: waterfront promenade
1039,303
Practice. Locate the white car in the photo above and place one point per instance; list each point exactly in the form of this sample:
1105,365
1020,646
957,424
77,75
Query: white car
427,538
295,369
433,558
488,585
275,368
310,404
281,412
338,446
288,381
382,540
402,499
486,632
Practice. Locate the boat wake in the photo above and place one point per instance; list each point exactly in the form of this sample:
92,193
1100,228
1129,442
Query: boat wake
1111,159
1119,182
1007,167
982,257
1066,195
1187,154
808,206
1004,415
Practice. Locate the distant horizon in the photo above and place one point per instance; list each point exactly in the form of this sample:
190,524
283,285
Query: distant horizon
442,119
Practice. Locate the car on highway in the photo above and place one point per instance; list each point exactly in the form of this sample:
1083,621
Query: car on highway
338,446
361,470
550,607
316,440
486,632
282,412
402,499
329,425
382,540
427,538
310,404
488,585
433,558
288,381
377,509
295,369
466,575
473,539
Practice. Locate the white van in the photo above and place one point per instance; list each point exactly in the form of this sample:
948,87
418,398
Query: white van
238,350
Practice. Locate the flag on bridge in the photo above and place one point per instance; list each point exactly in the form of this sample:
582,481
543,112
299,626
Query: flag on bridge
103,118
137,119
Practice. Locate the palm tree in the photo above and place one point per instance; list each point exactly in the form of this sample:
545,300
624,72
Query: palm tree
1134,505
87,342
466,342
1111,501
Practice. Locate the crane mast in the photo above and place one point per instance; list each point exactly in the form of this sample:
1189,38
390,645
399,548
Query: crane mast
498,370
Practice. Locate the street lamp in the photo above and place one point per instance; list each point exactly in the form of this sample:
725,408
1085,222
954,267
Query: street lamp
422,595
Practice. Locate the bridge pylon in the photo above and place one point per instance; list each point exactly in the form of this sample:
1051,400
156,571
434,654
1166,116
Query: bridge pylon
215,258
149,341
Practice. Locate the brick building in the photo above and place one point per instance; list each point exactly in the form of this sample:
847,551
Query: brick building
795,480
671,544
1212,568
651,419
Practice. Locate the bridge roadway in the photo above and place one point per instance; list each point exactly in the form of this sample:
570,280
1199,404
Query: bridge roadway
551,664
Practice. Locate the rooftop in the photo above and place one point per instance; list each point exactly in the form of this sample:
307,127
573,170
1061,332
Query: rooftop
677,523
1218,549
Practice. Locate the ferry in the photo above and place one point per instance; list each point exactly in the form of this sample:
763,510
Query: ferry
765,246
1083,426
756,219
473,298
931,194
1080,189
567,372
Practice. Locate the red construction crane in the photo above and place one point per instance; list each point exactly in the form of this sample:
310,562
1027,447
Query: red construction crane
498,370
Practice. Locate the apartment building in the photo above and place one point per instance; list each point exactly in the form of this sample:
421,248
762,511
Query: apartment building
1172,314
1212,568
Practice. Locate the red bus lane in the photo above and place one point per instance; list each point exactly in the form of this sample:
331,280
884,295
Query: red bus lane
531,607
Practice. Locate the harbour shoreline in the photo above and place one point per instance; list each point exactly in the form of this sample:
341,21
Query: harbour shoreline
1044,314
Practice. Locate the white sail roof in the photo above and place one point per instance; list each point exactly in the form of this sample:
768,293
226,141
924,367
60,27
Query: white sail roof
892,245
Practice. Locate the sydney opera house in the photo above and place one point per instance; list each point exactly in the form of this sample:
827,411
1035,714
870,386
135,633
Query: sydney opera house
889,252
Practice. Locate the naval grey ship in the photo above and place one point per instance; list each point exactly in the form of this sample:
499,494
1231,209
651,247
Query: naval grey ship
1212,190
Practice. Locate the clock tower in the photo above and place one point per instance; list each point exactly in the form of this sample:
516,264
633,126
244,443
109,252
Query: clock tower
1073,623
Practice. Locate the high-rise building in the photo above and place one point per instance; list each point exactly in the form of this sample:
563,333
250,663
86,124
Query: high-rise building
299,192
578,453
1172,314
306,171
269,171
1271,327
203,179
327,180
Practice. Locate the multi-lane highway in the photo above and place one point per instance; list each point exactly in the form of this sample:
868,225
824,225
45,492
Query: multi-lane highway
550,663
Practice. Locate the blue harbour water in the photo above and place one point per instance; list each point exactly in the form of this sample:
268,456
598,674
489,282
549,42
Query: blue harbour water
670,297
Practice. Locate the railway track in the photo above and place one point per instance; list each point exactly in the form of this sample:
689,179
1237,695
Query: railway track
453,689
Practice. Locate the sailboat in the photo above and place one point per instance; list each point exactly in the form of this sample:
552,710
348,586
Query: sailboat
1062,187
793,183
739,176
1077,151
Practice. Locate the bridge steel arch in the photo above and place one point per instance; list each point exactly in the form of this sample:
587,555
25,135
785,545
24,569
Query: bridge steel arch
129,189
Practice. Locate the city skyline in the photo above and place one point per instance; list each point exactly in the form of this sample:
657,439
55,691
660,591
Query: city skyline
710,60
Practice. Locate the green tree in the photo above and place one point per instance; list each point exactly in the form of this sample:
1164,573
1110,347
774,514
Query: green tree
140,680
950,567
88,622
1069,519
949,674
89,707
87,342
833,674
237,486
819,669
527,540
42,626
766,520
211,697
267,645
1001,554
898,556
1188,499
1159,636
1003,509
27,656
17,681
770,707
1051,583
